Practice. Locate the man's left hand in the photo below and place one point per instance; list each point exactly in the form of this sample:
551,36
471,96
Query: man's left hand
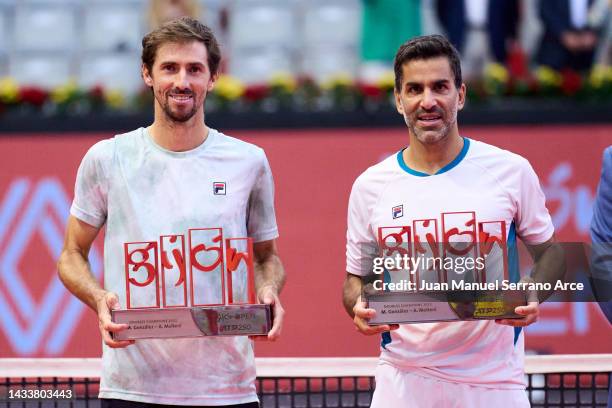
530,312
268,295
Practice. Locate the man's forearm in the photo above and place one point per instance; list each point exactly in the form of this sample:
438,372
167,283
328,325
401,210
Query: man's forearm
351,292
549,267
75,273
270,273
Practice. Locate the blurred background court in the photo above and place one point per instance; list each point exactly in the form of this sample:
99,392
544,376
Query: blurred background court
311,82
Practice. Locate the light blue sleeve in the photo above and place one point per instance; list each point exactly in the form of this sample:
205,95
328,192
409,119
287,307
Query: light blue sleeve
601,237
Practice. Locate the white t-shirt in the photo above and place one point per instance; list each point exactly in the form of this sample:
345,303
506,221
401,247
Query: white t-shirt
142,191
484,184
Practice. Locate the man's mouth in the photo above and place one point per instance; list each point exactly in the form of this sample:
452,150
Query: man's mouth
181,97
429,117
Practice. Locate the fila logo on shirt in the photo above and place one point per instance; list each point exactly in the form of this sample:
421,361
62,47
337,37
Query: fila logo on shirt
219,187
397,211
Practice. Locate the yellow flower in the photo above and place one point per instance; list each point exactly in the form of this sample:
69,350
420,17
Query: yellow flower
9,90
497,72
386,80
114,98
64,92
597,76
229,87
600,76
339,80
548,76
284,81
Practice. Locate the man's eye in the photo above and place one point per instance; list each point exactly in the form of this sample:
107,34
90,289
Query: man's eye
195,70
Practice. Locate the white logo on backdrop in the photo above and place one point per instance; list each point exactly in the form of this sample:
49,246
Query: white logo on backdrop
48,320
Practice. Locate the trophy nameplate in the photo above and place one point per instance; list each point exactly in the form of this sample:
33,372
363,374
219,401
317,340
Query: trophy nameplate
426,307
239,320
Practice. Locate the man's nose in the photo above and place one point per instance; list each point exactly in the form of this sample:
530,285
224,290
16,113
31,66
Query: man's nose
428,99
181,80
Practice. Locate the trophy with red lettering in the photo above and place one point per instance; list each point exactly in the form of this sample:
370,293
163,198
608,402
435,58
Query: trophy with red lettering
461,276
207,291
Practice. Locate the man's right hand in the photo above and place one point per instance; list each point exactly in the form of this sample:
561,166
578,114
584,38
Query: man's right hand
571,41
363,314
107,302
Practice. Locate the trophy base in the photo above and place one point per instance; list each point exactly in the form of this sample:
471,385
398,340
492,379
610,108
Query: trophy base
426,307
234,320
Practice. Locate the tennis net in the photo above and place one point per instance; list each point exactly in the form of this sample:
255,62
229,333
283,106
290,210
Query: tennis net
554,381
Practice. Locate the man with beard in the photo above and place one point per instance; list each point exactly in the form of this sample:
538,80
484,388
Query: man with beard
173,176
441,176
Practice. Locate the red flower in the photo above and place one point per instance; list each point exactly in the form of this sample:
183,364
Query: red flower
97,92
305,80
33,95
571,82
517,62
255,93
533,84
369,90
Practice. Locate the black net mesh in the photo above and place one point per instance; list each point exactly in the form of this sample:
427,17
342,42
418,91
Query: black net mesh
544,390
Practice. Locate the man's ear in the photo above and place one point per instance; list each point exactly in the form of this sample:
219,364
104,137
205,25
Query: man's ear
146,76
462,93
212,81
398,102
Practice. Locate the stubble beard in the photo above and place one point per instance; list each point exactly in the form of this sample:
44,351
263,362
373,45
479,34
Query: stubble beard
430,137
175,116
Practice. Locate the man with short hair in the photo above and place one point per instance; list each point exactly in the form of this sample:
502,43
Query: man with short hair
439,178
166,179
